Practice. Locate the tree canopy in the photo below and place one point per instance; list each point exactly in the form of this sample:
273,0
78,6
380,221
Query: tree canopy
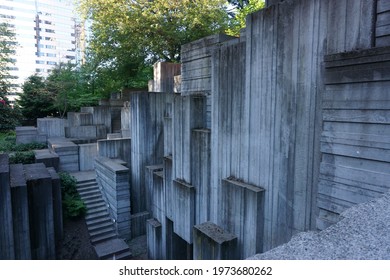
7,48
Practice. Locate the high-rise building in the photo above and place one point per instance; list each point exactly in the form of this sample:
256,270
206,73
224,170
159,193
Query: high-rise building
47,33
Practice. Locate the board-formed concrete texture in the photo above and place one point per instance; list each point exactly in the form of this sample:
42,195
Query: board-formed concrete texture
48,158
164,73
20,212
29,134
213,243
57,205
87,155
6,229
113,177
68,153
52,127
40,204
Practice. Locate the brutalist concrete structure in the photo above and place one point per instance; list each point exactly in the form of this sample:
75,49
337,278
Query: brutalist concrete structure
6,229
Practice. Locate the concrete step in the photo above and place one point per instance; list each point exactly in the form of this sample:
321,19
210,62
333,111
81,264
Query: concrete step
101,225
94,200
113,249
90,217
88,198
97,210
101,232
89,192
94,205
89,188
103,238
82,185
98,220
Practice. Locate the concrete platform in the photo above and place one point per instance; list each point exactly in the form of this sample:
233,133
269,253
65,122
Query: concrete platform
113,249
84,175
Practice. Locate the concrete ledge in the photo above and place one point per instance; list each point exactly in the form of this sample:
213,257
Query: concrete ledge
213,243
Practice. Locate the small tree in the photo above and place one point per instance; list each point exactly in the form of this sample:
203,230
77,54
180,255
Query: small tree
9,117
36,101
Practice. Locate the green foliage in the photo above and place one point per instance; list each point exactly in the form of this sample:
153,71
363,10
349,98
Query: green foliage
129,36
72,205
8,144
26,157
244,8
7,48
36,101
9,117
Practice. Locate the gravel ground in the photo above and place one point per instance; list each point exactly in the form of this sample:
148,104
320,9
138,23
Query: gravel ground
362,234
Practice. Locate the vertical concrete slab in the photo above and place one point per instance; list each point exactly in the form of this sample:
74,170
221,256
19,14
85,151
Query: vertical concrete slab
87,155
57,205
41,217
200,173
48,158
154,239
184,214
243,215
213,243
147,141
20,213
6,229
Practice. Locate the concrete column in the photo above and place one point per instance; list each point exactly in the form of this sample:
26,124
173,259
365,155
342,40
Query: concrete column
154,239
6,229
57,205
164,73
40,200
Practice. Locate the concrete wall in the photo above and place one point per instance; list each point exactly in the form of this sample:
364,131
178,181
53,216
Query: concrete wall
356,132
29,134
382,31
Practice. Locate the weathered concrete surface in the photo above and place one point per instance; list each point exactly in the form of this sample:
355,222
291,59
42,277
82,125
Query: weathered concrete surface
87,155
40,198
52,127
362,234
29,134
67,151
164,73
57,205
213,243
113,178
115,148
6,229
48,158
20,213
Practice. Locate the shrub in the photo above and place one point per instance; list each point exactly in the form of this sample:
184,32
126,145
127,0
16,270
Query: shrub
72,205
26,157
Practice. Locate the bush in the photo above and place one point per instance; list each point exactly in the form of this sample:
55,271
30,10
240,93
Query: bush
26,157
72,205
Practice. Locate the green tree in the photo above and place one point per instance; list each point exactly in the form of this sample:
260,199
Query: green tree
68,86
9,117
7,49
243,8
35,100
129,36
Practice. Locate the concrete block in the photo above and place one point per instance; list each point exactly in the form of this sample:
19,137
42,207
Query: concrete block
125,116
101,115
29,134
154,239
48,158
154,194
51,127
87,156
83,132
6,229
79,119
68,153
40,201
20,213
164,73
211,242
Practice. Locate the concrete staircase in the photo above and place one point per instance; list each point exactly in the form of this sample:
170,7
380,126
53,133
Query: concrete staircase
100,226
